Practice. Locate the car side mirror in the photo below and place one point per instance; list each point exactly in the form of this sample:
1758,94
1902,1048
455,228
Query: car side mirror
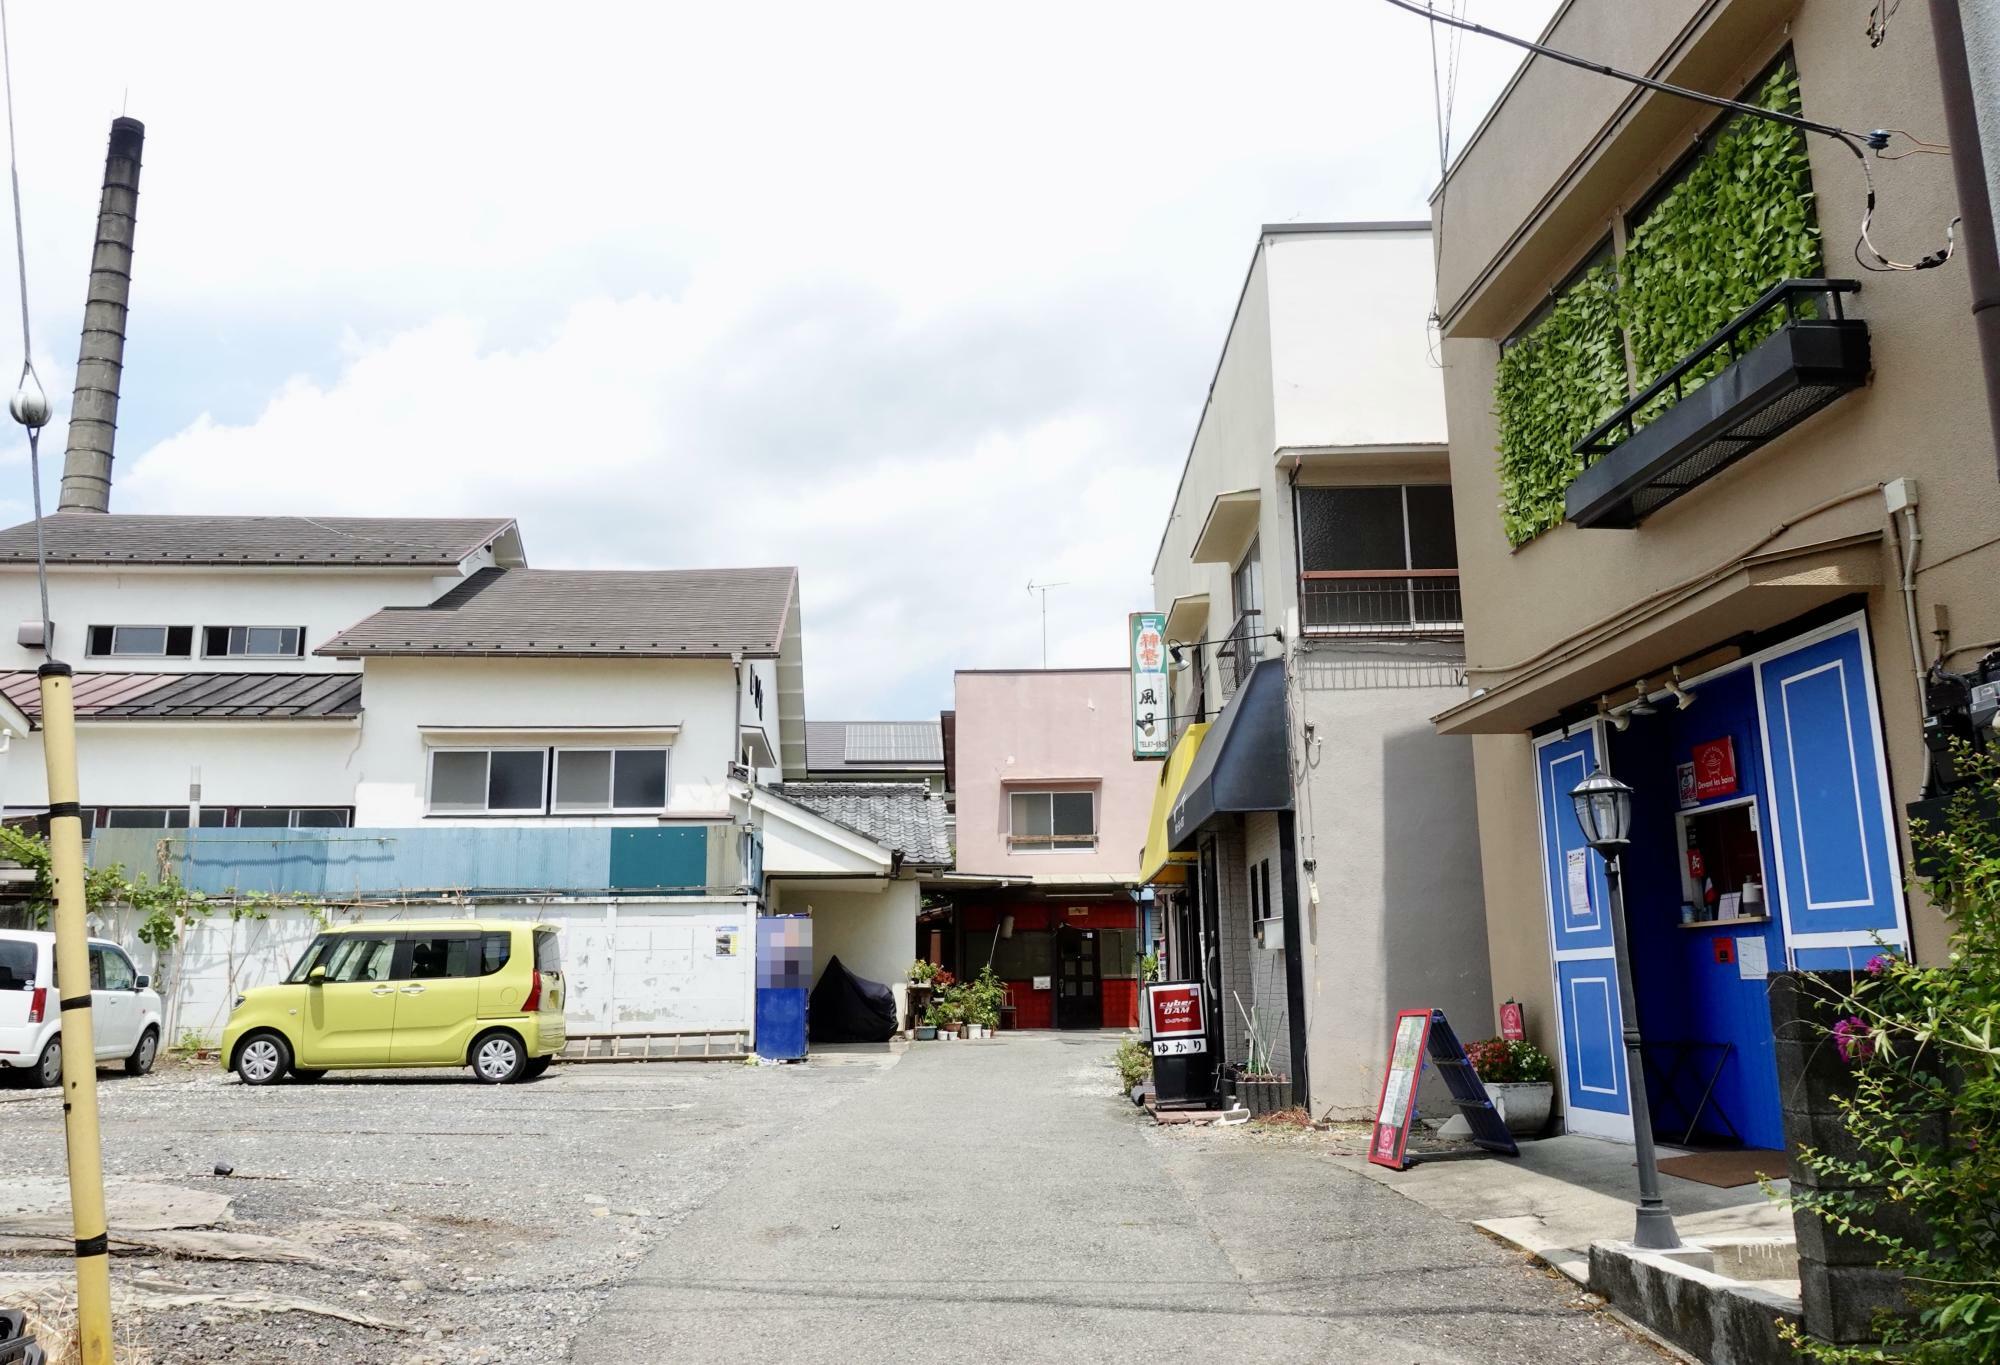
316,977
144,982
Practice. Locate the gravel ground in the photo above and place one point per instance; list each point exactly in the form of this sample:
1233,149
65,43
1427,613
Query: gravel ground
484,1223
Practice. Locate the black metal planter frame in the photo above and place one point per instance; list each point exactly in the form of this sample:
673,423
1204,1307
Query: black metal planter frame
1631,471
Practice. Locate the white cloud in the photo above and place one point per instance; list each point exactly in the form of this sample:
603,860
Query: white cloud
921,298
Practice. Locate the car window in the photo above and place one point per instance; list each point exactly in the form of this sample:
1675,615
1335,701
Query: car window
495,950
548,952
314,954
433,956
17,965
360,957
116,972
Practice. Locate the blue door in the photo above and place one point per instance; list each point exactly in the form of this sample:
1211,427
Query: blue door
1586,982
1839,868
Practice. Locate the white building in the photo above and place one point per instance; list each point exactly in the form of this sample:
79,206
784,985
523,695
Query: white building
411,715
1309,577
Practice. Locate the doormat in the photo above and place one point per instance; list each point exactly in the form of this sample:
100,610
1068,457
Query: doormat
1728,1169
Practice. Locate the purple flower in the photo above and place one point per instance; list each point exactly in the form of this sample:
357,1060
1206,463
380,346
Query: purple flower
1850,1036
1878,964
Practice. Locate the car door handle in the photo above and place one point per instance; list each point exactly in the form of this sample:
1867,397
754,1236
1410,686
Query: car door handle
413,990
383,990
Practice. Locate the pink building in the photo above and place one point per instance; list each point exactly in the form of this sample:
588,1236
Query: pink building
1051,824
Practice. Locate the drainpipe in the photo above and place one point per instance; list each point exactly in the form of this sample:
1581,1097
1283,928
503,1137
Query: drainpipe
1967,34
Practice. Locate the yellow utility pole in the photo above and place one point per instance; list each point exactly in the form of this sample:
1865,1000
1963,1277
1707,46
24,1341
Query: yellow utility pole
79,1043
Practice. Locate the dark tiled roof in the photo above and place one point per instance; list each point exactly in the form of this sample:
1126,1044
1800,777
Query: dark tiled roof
100,538
865,746
197,696
681,613
903,816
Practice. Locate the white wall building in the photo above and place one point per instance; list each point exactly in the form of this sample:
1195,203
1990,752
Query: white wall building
347,680
1313,528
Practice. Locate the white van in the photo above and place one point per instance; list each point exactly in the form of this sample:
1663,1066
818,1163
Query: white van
125,1010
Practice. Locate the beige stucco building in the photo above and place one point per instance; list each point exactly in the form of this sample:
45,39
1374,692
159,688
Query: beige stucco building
1311,594
1719,618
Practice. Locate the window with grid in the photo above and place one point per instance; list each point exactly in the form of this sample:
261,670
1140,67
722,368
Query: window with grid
488,781
610,780
1378,558
253,642
141,642
1052,821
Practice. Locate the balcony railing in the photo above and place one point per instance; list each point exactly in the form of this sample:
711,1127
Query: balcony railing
1237,653
1675,436
1380,602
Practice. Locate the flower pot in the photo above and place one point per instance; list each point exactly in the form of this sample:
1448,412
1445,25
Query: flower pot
965,1030
1523,1105
926,1032
976,1030
1264,1094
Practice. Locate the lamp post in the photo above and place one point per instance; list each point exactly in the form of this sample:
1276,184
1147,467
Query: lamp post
1604,810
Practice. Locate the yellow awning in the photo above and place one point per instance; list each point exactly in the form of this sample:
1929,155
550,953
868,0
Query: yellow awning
1161,865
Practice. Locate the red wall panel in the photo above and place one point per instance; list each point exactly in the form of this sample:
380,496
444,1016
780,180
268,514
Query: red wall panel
1121,1002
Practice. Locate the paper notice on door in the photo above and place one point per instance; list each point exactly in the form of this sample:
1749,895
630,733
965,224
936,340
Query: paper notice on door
1579,883
1752,962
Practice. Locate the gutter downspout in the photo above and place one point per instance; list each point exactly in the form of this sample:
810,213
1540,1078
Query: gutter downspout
1974,181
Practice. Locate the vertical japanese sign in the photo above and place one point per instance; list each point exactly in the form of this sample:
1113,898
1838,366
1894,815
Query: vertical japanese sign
1152,734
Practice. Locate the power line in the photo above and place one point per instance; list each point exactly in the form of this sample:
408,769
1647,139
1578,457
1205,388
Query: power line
1876,139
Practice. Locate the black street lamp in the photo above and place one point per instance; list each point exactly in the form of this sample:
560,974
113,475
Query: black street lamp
1604,811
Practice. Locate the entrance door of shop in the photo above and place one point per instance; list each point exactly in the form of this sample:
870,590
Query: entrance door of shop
1579,904
1079,995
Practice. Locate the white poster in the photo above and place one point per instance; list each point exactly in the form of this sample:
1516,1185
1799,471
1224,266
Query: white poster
1579,883
1752,962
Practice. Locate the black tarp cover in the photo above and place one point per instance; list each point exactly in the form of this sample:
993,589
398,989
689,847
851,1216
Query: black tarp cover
847,1009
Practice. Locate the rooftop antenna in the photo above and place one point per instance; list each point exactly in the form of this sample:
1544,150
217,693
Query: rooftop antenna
1043,589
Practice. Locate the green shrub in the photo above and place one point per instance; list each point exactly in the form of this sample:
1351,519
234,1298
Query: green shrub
1134,1062
1924,1109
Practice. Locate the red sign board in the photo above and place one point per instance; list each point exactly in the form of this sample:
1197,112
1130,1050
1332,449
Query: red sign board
1513,1025
1175,1019
1714,768
1398,1105
1725,950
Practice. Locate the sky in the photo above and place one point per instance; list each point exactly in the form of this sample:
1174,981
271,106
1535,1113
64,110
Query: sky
923,299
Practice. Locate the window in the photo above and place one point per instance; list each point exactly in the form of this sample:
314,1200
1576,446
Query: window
253,642
289,817
610,779
548,951
111,970
154,817
1246,582
437,956
358,957
156,642
1378,558
1260,890
487,781
1049,821
17,964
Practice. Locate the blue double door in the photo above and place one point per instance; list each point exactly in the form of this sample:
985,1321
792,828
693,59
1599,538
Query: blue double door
1815,775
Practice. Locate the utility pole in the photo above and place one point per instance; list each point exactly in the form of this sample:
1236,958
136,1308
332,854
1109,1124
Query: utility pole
1043,589
1967,34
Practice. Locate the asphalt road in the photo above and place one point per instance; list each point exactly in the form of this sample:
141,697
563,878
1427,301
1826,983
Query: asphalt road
997,1202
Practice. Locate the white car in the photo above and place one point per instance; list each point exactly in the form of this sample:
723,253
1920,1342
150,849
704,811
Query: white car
125,1010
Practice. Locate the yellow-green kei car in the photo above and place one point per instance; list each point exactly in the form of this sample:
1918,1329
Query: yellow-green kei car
477,993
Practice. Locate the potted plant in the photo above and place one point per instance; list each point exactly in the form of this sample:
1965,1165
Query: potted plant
1520,1079
1260,1088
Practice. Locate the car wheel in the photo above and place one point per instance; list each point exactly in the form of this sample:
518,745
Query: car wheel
263,1059
498,1057
308,1073
143,1056
48,1070
536,1066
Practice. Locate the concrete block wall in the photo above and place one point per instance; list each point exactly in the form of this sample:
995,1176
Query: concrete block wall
1267,964
1233,893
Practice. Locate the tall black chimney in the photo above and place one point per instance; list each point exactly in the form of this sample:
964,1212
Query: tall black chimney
93,414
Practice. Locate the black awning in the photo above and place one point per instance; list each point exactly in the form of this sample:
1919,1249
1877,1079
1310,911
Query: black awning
1245,763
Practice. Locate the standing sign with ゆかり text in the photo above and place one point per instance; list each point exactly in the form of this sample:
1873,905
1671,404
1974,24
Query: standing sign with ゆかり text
1152,728
1175,1021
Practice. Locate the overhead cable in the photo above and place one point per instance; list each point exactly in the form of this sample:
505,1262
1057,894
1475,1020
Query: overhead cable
1876,139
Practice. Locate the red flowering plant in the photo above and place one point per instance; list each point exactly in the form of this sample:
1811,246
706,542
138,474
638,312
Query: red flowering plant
1923,1105
1501,1061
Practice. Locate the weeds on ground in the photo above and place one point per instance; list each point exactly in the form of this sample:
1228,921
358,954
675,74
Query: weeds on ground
52,1324
1134,1063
